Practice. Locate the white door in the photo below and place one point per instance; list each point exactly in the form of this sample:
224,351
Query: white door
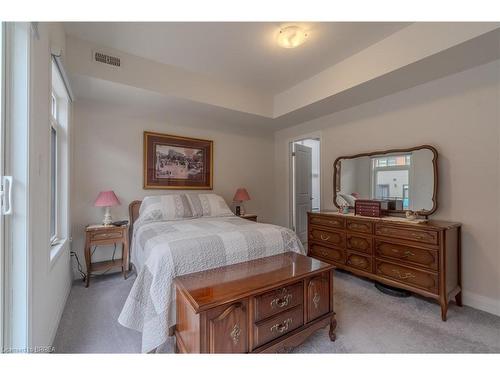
302,162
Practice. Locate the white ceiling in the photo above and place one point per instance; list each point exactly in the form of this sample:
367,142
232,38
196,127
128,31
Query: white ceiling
240,53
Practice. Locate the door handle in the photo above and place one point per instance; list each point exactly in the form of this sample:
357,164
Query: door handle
6,195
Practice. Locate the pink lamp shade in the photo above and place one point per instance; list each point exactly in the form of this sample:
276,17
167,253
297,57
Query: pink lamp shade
106,199
241,195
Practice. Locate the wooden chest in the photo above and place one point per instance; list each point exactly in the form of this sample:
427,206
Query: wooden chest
422,258
270,304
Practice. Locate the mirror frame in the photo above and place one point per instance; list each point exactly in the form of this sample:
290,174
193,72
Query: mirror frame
336,175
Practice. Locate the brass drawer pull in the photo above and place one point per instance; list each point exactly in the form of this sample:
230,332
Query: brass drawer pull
406,254
324,237
316,299
281,302
235,334
282,327
358,262
404,276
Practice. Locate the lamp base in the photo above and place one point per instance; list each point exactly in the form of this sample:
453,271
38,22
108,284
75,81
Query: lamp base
107,217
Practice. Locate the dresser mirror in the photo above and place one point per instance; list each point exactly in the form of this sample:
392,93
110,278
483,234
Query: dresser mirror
402,179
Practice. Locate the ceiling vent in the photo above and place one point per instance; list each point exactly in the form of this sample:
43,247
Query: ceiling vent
106,59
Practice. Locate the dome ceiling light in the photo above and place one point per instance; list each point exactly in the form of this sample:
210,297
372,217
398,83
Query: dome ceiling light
291,37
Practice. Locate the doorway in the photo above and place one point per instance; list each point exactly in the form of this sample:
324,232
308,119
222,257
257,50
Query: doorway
305,183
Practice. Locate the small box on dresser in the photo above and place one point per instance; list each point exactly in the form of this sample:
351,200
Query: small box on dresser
424,258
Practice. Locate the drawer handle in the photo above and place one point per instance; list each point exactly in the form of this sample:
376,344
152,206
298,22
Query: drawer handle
316,299
324,237
357,262
282,327
404,276
281,302
235,334
406,254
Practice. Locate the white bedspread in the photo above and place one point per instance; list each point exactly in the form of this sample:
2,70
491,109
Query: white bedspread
162,250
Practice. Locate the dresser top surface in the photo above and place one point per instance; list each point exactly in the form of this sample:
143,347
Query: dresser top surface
429,224
210,288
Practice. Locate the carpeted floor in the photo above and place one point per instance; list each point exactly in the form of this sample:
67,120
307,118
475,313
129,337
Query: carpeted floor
368,322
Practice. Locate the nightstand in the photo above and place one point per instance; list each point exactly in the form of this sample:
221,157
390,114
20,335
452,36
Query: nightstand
100,235
249,217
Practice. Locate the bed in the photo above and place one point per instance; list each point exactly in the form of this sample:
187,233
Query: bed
201,234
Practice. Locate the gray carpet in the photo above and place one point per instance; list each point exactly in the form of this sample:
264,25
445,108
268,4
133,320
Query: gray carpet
368,322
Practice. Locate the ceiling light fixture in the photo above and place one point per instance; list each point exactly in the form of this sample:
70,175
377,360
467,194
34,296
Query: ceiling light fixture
291,36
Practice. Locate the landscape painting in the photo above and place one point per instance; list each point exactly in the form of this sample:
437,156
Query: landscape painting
175,162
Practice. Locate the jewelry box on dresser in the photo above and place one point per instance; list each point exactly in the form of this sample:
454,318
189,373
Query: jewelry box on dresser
421,256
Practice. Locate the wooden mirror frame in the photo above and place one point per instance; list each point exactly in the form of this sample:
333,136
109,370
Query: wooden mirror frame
336,175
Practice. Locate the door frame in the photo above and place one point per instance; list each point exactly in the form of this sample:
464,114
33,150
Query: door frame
290,176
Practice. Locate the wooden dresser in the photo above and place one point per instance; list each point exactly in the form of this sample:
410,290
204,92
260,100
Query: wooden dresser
423,258
269,304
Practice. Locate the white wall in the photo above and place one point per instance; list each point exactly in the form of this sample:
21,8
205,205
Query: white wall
108,155
457,114
50,281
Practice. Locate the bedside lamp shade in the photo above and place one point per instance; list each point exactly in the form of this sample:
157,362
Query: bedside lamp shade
241,195
107,199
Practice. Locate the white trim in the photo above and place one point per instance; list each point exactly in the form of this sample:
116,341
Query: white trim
480,302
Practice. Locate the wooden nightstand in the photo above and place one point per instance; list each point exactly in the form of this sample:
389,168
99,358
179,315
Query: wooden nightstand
249,217
99,235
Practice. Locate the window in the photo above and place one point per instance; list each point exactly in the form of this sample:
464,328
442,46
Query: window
391,178
58,138
53,184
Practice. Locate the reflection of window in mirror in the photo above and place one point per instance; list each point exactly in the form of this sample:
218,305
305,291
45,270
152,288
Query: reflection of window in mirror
391,178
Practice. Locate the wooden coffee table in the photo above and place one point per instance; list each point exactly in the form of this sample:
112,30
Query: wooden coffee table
269,304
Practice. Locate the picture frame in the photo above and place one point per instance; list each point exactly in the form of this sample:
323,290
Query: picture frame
176,162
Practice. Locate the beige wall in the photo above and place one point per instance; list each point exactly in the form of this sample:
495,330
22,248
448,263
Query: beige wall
108,147
457,114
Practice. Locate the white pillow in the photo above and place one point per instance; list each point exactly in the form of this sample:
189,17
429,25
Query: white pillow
165,207
208,205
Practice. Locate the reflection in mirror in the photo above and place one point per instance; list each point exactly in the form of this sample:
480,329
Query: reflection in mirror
402,180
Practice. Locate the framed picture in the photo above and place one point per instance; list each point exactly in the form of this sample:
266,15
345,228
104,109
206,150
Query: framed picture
173,162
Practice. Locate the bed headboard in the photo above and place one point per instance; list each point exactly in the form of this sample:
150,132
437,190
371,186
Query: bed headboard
133,213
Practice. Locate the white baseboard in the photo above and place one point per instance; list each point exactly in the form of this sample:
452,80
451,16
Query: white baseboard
480,302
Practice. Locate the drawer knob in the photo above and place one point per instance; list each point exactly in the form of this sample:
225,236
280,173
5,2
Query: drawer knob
281,301
403,276
282,327
235,334
316,299
324,237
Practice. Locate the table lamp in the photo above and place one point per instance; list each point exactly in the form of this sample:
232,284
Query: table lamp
107,199
240,196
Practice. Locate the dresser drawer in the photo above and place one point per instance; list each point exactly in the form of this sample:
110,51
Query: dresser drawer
278,325
329,253
359,226
419,235
278,300
334,222
318,296
420,279
107,235
407,254
327,237
359,261
360,243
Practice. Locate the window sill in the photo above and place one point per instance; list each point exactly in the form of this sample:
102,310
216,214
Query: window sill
56,250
